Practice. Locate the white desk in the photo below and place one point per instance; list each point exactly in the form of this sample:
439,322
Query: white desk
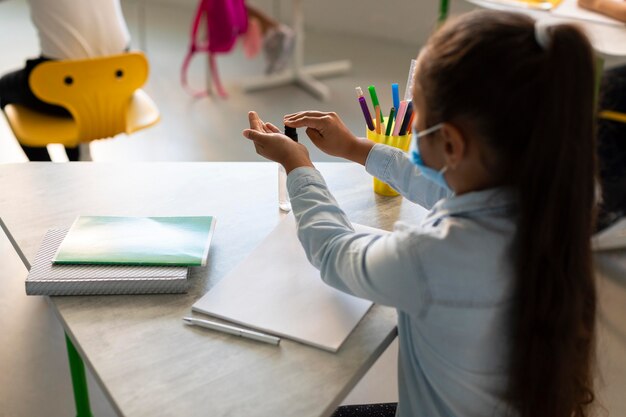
607,39
147,362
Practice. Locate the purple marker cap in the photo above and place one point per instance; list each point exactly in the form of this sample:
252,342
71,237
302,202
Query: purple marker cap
365,109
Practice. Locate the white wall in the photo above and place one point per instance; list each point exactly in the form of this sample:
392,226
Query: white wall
405,21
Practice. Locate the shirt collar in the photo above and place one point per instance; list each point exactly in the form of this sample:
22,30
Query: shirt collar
489,201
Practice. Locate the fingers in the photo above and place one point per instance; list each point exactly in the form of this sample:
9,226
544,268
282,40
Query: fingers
314,135
256,136
315,122
255,121
271,128
295,120
312,113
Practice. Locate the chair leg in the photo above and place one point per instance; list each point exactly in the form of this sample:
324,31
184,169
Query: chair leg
84,152
79,382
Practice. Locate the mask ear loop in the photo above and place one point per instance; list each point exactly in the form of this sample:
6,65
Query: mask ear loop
430,130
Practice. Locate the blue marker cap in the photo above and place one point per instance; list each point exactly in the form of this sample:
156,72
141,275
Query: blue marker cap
395,92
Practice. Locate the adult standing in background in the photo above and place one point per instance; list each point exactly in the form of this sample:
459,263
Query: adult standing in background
67,29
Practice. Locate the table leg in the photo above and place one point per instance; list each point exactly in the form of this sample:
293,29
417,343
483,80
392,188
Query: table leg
79,382
444,6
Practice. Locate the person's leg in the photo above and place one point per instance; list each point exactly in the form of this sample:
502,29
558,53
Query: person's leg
267,22
72,153
15,89
39,153
278,40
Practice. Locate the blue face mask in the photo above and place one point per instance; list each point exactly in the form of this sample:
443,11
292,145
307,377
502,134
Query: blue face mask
416,158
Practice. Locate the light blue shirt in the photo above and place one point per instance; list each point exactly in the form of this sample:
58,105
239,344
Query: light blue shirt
449,277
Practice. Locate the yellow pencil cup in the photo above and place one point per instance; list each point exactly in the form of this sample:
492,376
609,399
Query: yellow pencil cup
400,142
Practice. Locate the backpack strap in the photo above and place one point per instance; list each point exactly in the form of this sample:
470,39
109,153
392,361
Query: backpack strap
196,45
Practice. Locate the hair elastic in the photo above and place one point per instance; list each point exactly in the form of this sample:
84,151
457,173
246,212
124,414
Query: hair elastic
542,36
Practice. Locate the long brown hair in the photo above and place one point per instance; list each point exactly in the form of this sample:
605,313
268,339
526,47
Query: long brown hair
532,106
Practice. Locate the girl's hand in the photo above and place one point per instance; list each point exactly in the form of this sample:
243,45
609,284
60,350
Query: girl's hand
327,131
273,145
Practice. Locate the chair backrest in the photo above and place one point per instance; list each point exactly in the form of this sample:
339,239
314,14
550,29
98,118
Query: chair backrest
96,91
613,116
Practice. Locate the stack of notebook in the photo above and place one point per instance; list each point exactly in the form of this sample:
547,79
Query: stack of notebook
120,255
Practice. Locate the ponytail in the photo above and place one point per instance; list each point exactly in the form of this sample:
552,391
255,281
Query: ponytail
529,97
554,312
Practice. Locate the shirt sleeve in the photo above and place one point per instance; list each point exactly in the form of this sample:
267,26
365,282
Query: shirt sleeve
392,166
376,267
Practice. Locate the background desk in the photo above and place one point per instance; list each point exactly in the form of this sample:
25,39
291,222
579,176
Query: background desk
145,359
608,40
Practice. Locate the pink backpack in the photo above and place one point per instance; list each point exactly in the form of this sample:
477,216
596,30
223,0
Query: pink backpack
225,21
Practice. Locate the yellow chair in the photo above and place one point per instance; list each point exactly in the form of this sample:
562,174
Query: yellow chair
613,115
102,94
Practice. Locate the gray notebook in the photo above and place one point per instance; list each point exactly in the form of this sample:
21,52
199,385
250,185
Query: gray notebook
46,278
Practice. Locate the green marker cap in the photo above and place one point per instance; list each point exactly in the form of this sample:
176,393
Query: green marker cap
373,95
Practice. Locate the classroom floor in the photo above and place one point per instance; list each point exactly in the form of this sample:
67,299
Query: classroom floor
208,129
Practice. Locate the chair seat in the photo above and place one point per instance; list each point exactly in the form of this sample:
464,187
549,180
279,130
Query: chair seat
33,128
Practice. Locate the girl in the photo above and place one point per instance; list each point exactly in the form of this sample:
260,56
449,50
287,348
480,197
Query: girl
494,288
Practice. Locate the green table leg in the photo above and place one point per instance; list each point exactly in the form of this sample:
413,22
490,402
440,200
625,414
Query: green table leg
79,382
443,10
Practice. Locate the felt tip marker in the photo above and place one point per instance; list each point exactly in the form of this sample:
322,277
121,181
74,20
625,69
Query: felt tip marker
405,120
392,112
365,109
400,117
395,94
378,119
374,97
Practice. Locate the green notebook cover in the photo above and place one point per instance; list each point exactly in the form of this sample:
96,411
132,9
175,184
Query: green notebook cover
106,240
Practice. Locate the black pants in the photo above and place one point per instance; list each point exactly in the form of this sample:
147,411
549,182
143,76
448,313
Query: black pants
369,410
612,148
14,89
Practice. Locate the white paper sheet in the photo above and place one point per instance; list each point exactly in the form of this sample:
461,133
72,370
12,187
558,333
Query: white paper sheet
276,290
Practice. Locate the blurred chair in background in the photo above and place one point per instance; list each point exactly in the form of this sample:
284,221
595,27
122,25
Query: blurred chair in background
102,96
67,30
